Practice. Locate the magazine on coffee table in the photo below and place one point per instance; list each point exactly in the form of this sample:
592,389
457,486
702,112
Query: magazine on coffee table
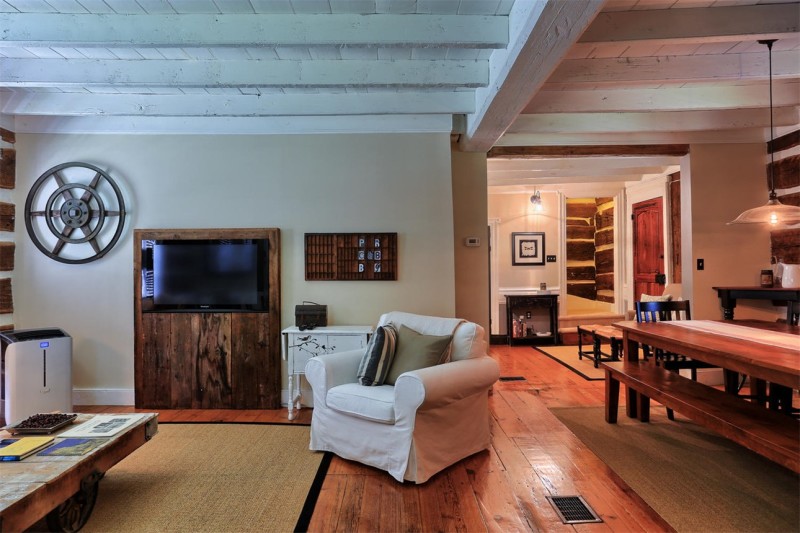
103,425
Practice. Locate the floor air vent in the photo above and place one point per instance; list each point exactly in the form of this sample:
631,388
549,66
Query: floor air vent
512,378
573,509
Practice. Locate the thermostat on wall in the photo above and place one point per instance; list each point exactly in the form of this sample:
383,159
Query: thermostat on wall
472,241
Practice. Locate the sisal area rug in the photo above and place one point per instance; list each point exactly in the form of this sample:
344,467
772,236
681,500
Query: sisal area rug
568,356
210,477
696,480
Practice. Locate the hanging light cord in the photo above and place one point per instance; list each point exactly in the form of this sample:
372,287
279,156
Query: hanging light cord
771,147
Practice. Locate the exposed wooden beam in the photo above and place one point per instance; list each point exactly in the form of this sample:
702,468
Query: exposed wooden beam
658,121
568,163
245,105
247,73
549,180
742,135
521,152
541,35
579,171
677,69
714,24
188,30
427,123
670,98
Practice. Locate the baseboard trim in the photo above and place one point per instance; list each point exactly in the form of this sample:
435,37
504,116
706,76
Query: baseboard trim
128,397
498,339
103,397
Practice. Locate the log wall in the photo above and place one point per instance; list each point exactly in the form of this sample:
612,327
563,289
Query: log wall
590,248
8,180
785,243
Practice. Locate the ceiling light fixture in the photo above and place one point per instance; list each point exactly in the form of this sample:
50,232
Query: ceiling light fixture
536,200
774,212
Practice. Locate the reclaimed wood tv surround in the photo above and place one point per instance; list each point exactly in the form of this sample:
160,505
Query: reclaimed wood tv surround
208,360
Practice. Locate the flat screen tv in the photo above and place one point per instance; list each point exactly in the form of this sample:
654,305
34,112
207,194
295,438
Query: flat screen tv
205,275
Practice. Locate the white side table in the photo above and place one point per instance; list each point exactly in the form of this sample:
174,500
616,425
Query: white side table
300,346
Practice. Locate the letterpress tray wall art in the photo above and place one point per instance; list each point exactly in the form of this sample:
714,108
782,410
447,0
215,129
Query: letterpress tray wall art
351,256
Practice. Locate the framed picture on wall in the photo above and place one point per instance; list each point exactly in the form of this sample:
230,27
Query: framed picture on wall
527,249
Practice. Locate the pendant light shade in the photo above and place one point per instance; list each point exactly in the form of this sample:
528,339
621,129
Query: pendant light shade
774,212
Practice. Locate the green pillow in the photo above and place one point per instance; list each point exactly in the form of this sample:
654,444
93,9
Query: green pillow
415,350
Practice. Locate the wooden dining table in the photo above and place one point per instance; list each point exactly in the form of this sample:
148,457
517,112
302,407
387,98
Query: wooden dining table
767,352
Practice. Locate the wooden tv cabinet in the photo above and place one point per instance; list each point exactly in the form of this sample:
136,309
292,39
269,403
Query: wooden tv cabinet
208,360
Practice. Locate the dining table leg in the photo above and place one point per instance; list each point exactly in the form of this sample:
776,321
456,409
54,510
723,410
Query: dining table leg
758,391
631,352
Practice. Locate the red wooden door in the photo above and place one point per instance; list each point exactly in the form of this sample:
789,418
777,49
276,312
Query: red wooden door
648,248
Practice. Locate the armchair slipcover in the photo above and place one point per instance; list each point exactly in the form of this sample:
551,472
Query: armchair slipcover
430,419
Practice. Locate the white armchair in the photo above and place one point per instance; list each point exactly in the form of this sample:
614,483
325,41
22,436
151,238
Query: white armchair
430,419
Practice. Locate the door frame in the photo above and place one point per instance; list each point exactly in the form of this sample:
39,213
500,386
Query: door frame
640,192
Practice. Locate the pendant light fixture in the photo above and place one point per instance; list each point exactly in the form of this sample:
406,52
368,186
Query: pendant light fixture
774,212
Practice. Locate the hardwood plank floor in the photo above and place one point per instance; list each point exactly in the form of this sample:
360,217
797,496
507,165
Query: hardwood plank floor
500,489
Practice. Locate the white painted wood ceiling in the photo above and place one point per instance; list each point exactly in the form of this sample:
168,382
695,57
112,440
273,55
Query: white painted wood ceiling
497,72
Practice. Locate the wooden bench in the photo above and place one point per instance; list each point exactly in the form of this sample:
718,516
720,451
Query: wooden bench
774,435
598,334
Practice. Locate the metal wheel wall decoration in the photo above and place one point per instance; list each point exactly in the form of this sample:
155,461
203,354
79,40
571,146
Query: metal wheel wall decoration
70,197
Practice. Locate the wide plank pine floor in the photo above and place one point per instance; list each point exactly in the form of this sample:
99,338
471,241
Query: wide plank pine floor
501,489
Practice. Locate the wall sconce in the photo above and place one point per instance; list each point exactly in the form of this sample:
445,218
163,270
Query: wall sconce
536,200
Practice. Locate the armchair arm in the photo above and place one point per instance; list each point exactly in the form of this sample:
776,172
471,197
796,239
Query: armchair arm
442,384
329,370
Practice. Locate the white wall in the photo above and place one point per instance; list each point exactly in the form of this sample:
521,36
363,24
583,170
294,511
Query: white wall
469,218
325,183
722,181
513,212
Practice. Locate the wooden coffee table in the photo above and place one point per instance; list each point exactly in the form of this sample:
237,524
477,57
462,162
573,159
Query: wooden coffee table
63,488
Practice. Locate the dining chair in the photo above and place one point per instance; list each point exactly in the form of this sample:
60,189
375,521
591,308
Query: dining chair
668,311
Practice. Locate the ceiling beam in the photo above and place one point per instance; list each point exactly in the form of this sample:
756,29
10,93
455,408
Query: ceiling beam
536,152
658,121
717,24
243,73
571,162
678,69
582,171
204,30
671,98
204,104
501,181
540,35
743,135
237,125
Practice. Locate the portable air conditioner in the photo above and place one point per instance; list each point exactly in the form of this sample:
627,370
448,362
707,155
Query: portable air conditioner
36,372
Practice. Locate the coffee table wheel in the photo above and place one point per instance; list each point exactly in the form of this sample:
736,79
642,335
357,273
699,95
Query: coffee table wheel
72,515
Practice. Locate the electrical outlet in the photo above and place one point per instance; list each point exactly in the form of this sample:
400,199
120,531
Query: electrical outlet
701,264
551,259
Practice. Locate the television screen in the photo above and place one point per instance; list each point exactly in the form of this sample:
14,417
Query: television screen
205,275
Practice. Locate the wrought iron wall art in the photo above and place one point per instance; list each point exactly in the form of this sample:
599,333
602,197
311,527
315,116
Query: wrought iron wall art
74,213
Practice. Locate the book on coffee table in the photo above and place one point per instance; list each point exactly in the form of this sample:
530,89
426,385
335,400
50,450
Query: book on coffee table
22,448
103,425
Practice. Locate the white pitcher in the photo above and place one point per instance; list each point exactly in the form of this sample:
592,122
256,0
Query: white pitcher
789,275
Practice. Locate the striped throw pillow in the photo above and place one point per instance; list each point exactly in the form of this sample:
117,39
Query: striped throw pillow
378,357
